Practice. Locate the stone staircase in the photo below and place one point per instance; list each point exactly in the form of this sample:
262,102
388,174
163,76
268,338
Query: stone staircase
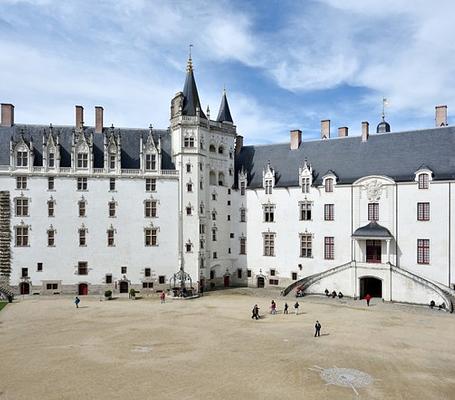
5,244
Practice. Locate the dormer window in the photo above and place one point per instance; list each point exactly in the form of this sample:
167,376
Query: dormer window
328,185
51,160
268,178
150,162
306,177
306,185
82,160
21,159
268,186
424,181
112,161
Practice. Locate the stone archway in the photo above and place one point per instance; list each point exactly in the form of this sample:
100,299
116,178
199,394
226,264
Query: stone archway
370,285
24,288
123,286
260,282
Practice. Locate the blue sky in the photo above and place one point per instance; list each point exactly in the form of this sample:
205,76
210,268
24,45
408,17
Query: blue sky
285,64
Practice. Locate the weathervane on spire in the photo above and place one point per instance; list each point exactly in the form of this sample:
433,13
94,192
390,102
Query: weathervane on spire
385,103
189,67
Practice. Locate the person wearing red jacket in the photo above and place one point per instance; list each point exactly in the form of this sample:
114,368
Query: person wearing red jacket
368,298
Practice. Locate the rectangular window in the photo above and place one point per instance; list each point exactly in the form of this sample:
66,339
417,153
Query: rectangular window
112,160
147,285
305,210
21,182
51,160
22,207
188,167
161,279
214,235
269,212
51,286
329,214
213,215
112,184
329,185
21,236
24,273
269,244
123,270
22,159
111,209
242,188
188,247
229,202
150,208
150,185
189,187
273,281
248,272
50,208
423,251
147,272
150,162
306,245
82,237
424,181
329,247
82,268
423,211
189,210
272,272
242,245
188,142
268,186
151,236
215,255
373,211
50,183
81,183
201,229
82,209
51,238
294,276
239,273
82,160
242,215
110,237
305,185
39,267
108,278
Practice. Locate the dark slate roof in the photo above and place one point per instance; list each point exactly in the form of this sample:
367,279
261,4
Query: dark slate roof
129,144
224,115
190,94
373,229
396,155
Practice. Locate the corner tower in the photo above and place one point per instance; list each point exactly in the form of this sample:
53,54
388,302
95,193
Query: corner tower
203,152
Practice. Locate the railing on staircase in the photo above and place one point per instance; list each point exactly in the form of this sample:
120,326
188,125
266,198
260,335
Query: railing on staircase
311,279
442,290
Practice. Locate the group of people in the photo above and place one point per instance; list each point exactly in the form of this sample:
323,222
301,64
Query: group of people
333,294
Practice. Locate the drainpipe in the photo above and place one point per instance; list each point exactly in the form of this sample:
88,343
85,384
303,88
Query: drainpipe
450,230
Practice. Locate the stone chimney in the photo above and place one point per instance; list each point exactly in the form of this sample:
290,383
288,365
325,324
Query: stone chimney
343,131
79,116
325,129
99,119
238,143
365,131
296,139
7,115
440,116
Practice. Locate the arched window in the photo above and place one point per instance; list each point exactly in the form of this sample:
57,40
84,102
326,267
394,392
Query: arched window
212,148
221,179
212,178
221,150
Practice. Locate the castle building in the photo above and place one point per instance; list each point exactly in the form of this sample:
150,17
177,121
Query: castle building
87,209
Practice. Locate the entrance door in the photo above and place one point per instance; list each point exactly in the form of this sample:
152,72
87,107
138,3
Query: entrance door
261,282
83,289
374,251
371,286
24,288
226,280
123,287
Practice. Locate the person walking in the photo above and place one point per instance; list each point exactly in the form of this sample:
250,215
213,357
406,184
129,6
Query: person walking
286,308
296,308
317,328
163,297
368,298
77,301
255,312
273,308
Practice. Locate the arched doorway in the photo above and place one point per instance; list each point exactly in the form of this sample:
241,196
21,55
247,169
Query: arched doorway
227,280
24,288
123,287
261,282
82,289
370,285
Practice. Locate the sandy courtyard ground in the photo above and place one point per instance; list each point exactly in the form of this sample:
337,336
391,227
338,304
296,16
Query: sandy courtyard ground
210,348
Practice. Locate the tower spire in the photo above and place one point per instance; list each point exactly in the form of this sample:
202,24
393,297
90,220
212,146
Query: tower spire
224,115
189,66
191,101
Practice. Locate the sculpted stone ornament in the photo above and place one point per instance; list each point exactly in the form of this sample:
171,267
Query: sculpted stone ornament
374,190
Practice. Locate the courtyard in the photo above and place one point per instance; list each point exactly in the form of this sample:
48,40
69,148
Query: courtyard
210,348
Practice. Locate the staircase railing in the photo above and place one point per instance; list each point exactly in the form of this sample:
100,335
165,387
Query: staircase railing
309,280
